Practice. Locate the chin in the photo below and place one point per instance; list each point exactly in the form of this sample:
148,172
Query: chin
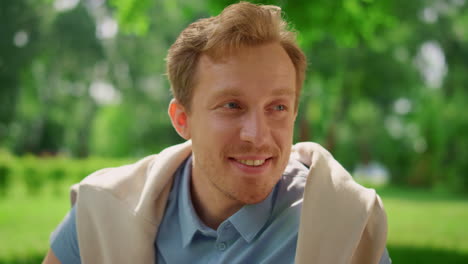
254,197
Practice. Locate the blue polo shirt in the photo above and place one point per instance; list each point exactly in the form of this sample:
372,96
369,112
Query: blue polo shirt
265,232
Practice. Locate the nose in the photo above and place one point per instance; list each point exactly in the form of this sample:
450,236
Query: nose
254,128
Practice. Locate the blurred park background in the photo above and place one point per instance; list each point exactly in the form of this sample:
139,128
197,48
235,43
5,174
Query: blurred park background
82,87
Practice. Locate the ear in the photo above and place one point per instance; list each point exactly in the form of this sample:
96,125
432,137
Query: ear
179,118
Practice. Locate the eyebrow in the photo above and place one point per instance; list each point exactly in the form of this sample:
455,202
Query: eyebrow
227,92
235,93
284,91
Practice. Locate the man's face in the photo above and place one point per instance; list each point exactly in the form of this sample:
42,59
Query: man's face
241,121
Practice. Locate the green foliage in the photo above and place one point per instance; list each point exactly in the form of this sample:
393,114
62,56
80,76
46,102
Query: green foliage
36,174
4,179
364,56
133,15
75,29
16,17
112,132
347,21
34,178
117,130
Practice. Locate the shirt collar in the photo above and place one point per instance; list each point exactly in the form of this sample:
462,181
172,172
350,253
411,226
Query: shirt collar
248,221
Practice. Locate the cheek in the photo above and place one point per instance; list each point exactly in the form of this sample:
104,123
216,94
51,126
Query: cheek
283,132
213,133
222,125
217,128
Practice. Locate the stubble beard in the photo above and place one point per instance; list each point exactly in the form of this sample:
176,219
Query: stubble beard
241,193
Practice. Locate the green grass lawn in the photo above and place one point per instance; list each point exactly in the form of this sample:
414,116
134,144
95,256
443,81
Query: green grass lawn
26,222
424,227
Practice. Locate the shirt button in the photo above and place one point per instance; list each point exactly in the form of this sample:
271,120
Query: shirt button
221,246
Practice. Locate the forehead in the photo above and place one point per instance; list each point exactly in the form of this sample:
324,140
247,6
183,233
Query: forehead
254,55
247,67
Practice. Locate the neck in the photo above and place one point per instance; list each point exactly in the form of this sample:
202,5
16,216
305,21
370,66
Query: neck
211,205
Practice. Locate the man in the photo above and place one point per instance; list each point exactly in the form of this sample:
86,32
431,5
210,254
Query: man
236,191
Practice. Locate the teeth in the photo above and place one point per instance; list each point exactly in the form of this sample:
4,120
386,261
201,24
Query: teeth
252,162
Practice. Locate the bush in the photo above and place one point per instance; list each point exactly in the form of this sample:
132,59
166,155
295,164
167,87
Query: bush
57,172
4,179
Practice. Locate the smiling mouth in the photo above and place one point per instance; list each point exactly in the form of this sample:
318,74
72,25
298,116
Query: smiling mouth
251,162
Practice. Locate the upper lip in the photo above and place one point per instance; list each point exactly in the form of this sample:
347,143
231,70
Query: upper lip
251,157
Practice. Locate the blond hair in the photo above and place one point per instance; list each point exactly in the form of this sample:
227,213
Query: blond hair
242,24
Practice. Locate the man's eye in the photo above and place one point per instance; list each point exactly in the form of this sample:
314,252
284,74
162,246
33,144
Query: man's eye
231,105
280,107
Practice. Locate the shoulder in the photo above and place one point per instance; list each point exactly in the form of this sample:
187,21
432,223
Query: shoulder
308,152
294,178
328,181
324,169
132,178
109,178
118,180
330,196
